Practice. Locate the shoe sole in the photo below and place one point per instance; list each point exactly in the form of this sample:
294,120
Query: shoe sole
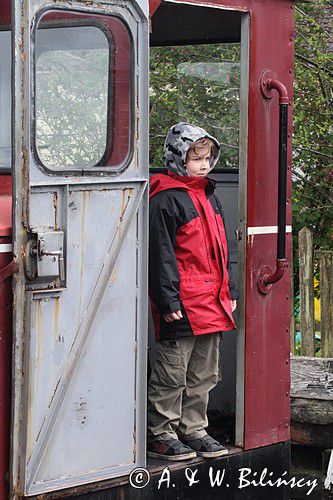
212,454
173,458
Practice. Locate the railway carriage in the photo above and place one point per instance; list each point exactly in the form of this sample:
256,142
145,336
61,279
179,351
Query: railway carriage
74,175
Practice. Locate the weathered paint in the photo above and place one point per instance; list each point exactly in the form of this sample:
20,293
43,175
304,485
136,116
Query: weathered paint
79,401
5,362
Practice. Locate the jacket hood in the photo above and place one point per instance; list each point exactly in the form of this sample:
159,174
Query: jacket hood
179,140
162,182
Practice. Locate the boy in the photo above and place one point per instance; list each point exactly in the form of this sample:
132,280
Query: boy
190,298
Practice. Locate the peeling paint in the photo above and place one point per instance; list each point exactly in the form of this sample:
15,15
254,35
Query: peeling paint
56,317
39,333
80,410
82,247
56,211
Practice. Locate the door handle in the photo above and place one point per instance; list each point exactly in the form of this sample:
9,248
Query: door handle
266,276
42,251
45,256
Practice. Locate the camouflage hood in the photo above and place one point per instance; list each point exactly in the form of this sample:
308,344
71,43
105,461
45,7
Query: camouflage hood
179,140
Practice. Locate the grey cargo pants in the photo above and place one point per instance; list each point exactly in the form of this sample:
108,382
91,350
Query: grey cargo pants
185,371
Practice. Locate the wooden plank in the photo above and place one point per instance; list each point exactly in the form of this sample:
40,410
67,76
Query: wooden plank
311,378
320,436
306,292
292,303
305,251
326,303
312,411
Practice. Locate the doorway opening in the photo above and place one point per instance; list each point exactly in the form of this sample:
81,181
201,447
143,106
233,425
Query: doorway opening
199,75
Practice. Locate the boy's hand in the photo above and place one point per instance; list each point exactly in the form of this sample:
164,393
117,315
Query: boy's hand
172,316
233,305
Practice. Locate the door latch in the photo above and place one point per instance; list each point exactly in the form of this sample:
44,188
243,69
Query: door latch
45,256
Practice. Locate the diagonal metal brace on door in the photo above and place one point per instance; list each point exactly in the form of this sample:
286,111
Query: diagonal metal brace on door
82,334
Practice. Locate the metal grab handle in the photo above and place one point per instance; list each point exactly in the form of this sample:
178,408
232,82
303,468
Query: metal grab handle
265,276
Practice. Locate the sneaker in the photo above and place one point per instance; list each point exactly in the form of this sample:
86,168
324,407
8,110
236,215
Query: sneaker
172,450
207,447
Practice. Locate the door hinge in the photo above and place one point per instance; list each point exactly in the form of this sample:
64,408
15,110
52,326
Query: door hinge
239,234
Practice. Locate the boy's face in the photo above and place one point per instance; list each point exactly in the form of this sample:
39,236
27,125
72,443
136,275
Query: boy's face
198,166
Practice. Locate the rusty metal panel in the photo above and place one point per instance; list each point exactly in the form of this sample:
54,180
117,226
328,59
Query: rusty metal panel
80,339
84,414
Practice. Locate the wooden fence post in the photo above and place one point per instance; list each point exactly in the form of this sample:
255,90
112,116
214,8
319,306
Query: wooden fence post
292,305
306,292
326,303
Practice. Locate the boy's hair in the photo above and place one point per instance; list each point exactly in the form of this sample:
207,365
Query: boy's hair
201,148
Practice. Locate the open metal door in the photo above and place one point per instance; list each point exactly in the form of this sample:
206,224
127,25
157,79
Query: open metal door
268,232
80,157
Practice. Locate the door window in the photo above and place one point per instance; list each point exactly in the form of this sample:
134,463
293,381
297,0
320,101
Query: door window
82,75
199,84
5,101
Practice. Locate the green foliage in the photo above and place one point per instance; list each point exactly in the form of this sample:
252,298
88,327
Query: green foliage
177,95
312,138
199,84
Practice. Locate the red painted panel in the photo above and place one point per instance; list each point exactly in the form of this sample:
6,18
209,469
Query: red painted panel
153,6
267,374
5,205
5,13
5,369
5,331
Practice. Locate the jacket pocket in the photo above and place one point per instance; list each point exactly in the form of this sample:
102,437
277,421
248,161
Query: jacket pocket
194,286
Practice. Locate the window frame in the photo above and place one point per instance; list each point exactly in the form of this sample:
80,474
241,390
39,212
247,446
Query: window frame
100,168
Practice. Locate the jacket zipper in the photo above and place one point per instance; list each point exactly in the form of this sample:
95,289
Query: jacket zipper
203,215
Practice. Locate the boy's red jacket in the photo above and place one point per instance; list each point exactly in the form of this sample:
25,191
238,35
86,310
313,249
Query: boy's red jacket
188,257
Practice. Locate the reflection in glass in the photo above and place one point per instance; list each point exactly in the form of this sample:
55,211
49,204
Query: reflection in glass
72,86
199,84
5,101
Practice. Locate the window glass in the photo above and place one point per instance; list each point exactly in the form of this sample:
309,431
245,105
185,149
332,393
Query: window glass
78,59
5,101
72,85
199,84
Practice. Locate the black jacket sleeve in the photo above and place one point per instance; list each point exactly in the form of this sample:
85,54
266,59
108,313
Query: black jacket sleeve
234,293
163,267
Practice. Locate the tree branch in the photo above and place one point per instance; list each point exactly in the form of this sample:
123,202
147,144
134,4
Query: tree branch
301,148
305,179
311,63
